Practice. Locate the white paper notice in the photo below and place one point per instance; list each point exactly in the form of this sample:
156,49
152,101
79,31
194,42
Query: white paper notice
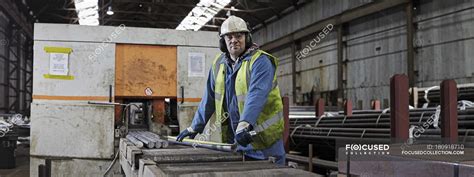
59,64
196,65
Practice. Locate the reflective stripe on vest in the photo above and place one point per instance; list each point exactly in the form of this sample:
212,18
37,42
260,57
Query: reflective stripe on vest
277,117
218,96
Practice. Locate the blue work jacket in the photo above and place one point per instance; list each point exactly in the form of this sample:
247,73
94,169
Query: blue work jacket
259,87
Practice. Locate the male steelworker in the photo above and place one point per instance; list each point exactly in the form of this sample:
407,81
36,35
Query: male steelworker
242,90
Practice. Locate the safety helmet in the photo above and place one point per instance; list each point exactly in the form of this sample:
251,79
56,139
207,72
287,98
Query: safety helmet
233,24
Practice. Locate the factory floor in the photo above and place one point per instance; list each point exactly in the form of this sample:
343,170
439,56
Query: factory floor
22,168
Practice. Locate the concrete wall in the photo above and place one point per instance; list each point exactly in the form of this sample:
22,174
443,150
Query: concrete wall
375,49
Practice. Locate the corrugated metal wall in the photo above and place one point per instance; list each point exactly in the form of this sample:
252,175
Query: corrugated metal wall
317,71
445,37
306,15
16,62
375,49
284,71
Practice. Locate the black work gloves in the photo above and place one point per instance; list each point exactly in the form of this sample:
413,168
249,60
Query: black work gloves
188,132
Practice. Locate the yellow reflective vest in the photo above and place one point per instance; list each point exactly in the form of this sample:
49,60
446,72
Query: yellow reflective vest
269,126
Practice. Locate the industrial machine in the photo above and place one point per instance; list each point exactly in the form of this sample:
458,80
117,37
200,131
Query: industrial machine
93,85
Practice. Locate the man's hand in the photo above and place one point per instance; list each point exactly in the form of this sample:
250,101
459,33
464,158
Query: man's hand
242,134
188,132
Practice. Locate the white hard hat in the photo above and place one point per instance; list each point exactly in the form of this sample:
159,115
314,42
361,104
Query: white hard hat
233,24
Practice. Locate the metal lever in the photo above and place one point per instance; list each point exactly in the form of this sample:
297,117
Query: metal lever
110,93
182,94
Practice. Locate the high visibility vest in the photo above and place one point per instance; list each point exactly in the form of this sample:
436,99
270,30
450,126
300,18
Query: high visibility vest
269,126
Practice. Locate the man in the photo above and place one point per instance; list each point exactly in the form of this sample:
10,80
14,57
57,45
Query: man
242,90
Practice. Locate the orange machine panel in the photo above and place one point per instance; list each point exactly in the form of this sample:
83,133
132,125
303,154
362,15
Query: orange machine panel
139,67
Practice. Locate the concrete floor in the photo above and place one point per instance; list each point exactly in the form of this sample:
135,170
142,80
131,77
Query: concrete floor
22,168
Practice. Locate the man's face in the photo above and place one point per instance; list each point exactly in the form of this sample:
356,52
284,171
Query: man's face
235,43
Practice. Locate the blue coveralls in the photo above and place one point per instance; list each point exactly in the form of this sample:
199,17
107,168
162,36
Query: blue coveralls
260,86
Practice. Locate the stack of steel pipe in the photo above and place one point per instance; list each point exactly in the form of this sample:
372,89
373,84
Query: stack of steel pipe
434,96
297,111
179,160
373,125
146,139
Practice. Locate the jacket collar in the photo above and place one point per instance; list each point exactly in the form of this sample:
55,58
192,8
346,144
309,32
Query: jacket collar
246,56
